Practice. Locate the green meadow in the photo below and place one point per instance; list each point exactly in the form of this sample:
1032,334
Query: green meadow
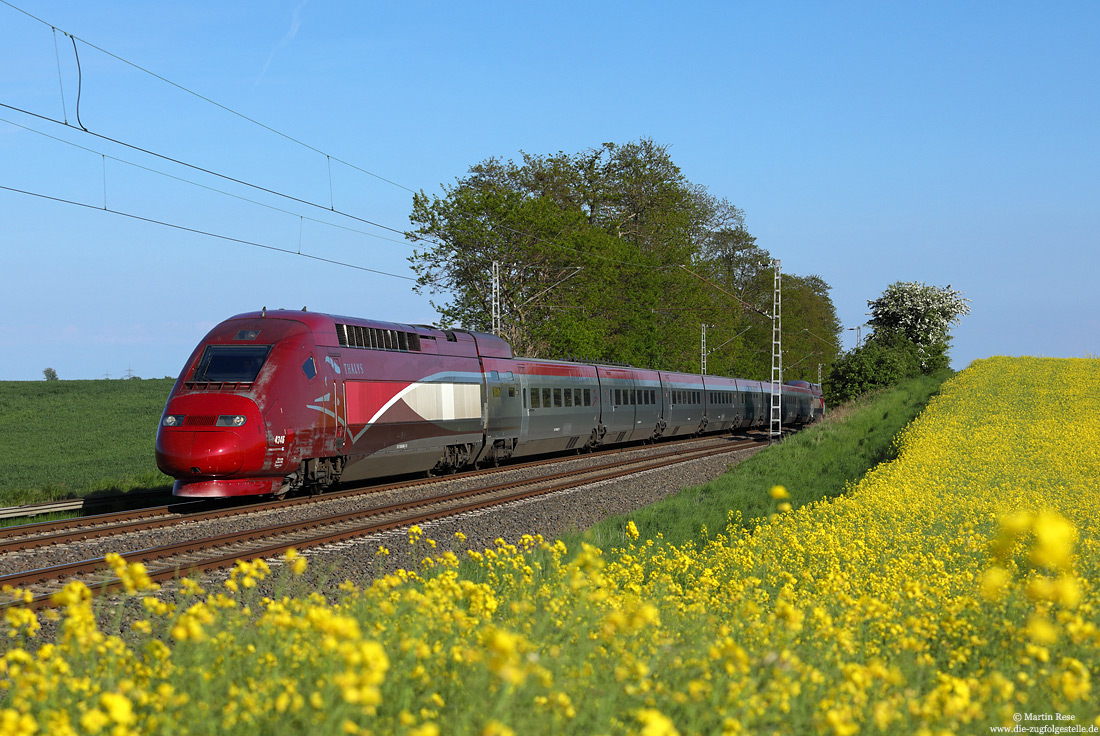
67,439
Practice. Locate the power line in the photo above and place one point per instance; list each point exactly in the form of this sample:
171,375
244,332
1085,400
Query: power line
201,232
273,192
207,99
328,156
202,186
203,170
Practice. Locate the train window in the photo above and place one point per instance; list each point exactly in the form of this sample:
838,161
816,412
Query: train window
496,392
618,397
568,398
653,396
494,375
512,391
534,397
588,397
577,397
231,363
524,398
546,398
309,368
557,397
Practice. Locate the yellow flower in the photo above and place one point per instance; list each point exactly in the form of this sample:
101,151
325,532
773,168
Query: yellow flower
1054,540
1041,630
496,728
94,720
778,492
993,583
295,560
119,708
655,723
14,723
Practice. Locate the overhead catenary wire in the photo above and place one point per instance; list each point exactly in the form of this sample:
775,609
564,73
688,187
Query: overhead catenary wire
331,208
328,156
60,83
275,131
210,172
204,186
207,99
196,231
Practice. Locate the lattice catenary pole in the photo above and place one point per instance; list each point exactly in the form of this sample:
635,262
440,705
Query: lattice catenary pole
496,298
777,356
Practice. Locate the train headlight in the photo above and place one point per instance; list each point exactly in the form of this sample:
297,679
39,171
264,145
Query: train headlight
172,420
231,420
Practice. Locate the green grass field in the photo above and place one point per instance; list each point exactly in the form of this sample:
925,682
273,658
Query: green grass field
65,439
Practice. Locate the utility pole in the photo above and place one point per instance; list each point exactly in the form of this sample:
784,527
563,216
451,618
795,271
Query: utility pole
496,298
703,352
777,357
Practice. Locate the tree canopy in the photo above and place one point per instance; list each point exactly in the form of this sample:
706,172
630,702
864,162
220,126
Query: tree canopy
911,322
612,254
922,314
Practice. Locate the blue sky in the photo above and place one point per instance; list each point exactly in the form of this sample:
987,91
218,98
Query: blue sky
868,143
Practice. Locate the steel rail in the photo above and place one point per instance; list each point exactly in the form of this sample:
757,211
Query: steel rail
288,535
42,534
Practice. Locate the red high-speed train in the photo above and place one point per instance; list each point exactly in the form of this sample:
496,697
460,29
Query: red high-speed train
275,401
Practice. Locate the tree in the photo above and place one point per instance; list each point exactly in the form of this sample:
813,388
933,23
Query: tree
910,323
921,314
49,374
588,246
607,254
874,364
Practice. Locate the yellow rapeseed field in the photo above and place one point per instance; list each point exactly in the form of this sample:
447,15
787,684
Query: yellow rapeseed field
951,591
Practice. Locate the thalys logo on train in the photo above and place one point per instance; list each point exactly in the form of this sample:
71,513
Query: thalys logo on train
400,402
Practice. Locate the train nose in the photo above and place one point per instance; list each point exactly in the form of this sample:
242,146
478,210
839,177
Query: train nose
209,453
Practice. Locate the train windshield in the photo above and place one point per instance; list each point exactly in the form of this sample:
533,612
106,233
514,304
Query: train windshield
231,363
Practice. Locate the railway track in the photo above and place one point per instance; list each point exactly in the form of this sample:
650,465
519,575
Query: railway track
61,531
197,555
89,504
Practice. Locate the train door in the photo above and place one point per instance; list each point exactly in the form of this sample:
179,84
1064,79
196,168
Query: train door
335,426
525,406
